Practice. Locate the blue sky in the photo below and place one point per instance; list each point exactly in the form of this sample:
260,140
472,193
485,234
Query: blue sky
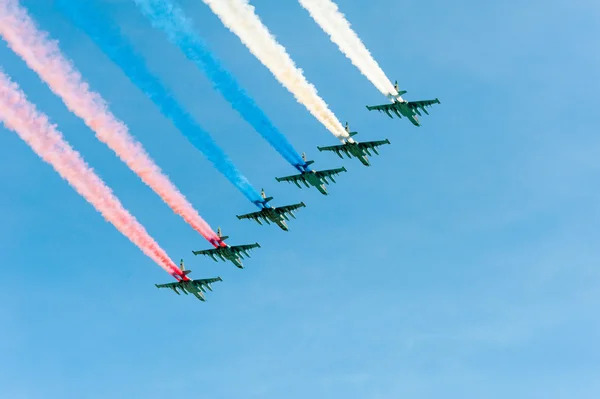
463,263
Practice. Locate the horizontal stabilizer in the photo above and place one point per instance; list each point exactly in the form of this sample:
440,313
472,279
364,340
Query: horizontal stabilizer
309,162
186,272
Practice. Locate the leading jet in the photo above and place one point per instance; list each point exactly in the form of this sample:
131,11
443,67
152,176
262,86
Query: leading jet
194,287
315,178
401,107
269,214
226,252
354,149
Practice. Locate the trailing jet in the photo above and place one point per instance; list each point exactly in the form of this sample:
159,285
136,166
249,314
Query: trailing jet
226,252
269,214
316,178
194,287
401,107
354,149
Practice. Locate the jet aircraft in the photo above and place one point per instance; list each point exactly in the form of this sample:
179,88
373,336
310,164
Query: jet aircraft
401,107
269,214
316,178
226,252
194,287
354,149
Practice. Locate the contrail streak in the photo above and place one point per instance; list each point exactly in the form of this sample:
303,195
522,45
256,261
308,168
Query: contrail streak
327,15
44,57
110,40
33,127
239,17
169,17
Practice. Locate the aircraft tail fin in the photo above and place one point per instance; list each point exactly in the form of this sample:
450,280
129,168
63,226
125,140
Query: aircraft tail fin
220,234
400,92
186,272
350,134
265,198
309,162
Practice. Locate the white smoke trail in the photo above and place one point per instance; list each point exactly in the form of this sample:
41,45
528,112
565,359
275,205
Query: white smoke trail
239,17
327,15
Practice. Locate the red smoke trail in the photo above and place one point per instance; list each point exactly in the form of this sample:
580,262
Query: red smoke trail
22,117
43,56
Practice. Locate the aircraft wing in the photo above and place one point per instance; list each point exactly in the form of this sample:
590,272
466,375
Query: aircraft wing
335,148
393,107
244,248
292,179
253,216
168,285
368,145
282,210
205,282
209,252
372,145
324,174
423,104
383,107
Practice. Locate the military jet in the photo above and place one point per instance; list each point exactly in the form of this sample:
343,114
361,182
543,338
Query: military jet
354,149
226,252
269,214
316,178
401,107
194,287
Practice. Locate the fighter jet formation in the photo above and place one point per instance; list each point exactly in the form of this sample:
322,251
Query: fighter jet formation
309,178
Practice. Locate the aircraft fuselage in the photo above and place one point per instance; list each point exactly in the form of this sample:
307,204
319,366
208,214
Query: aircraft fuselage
278,220
358,153
186,286
409,113
231,256
315,181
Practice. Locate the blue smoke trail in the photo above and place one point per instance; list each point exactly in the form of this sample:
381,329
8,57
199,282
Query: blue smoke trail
170,18
108,37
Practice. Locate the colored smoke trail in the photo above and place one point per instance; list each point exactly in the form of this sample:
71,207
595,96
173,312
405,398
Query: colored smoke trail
44,57
33,127
239,17
170,18
327,15
110,40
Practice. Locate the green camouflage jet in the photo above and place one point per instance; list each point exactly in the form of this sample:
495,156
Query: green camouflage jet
355,149
226,252
401,107
194,287
315,178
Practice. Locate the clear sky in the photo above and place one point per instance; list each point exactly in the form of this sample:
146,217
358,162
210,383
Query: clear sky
462,264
